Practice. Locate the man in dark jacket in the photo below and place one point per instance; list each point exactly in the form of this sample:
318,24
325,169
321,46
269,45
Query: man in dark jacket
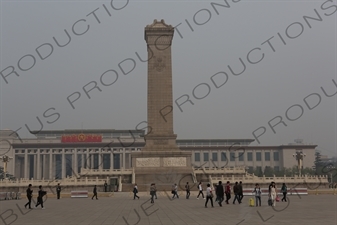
105,186
188,192
236,192
29,196
95,193
240,192
58,190
220,193
228,192
39,198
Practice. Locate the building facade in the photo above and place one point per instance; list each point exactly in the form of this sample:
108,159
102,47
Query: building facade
67,153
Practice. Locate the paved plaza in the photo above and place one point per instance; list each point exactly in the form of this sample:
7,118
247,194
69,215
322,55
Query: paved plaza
122,209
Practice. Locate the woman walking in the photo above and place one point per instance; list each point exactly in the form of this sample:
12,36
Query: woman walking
200,191
209,195
257,191
284,191
273,194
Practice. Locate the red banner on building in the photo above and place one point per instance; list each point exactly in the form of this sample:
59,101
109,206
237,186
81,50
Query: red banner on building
81,138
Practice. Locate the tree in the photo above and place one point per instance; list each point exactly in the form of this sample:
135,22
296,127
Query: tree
318,162
268,171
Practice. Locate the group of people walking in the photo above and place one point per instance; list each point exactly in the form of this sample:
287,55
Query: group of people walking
222,193
39,201
272,194
42,193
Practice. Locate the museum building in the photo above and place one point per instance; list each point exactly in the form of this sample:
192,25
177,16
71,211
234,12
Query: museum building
66,153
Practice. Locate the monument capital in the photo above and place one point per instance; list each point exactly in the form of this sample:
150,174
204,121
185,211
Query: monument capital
159,33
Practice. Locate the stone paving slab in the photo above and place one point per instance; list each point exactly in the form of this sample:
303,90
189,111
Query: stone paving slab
121,209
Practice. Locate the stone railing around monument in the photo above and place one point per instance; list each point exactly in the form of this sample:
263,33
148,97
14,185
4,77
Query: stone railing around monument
323,179
52,183
100,172
234,170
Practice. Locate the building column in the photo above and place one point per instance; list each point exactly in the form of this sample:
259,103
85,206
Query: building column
13,163
54,165
25,168
100,156
92,161
75,163
219,159
82,160
254,158
272,164
35,167
38,165
263,160
63,165
124,158
51,164
130,162
44,170
87,159
111,160
245,160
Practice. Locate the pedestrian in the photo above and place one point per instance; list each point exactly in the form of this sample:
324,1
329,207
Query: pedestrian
240,192
216,195
29,192
236,192
200,191
155,192
95,193
187,188
273,194
228,192
135,191
209,195
152,191
220,193
257,191
270,202
284,191
269,187
175,191
105,186
58,190
39,197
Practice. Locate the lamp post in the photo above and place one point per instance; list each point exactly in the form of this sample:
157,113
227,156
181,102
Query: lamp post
5,160
299,155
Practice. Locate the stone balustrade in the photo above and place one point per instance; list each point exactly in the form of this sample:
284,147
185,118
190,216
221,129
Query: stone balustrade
97,172
323,179
51,183
234,170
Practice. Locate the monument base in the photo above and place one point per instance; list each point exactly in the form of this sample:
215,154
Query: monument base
164,168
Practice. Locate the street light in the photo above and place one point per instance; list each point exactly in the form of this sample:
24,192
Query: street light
299,155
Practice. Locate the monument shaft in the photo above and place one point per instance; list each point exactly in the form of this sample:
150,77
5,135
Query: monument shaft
160,161
160,135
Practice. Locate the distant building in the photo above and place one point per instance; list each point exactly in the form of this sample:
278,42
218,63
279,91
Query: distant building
61,153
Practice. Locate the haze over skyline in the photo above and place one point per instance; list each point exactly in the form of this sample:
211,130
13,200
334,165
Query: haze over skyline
239,67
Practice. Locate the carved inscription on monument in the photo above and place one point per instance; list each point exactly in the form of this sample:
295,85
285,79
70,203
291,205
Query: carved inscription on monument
147,162
159,63
175,161
160,142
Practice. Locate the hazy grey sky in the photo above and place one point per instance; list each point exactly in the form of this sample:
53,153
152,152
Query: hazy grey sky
299,60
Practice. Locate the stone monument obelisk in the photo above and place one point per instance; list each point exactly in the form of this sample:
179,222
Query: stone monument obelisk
160,161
